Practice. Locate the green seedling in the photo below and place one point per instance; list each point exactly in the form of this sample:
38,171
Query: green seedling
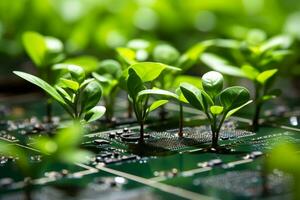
44,51
108,75
136,85
62,148
258,64
78,96
216,103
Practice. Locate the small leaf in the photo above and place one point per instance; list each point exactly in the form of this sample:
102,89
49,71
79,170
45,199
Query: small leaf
157,104
69,138
280,41
233,97
212,83
134,84
216,110
65,83
75,156
90,95
166,54
76,72
194,80
250,71
158,93
36,47
231,112
127,55
88,63
42,84
193,95
264,76
137,44
95,113
148,71
110,67
219,64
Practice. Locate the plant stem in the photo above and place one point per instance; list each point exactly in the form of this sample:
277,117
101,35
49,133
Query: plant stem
129,109
141,141
255,120
27,189
180,132
49,110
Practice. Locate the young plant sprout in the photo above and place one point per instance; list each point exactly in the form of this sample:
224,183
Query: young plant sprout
62,148
217,104
108,74
139,75
258,63
78,96
44,51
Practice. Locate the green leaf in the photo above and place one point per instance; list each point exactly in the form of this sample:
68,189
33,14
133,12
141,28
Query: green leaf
137,44
280,41
148,71
194,80
65,83
212,83
158,93
74,71
90,95
250,71
193,95
134,84
75,156
219,64
157,104
110,67
234,97
264,76
42,84
88,63
231,112
216,110
36,47
191,56
127,55
95,113
166,54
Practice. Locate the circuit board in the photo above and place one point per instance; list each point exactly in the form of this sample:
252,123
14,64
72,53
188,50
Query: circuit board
167,167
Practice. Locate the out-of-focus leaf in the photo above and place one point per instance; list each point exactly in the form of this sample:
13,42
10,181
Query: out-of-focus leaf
88,63
157,104
219,64
166,54
264,76
250,71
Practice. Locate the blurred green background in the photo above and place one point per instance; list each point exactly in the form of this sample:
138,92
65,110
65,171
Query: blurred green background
96,27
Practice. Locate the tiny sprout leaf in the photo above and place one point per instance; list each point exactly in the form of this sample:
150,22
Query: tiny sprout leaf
233,97
36,47
134,84
231,112
157,104
95,113
216,110
192,95
42,84
110,67
76,72
212,83
127,55
66,83
148,71
161,94
166,54
88,63
264,76
250,71
221,65
91,95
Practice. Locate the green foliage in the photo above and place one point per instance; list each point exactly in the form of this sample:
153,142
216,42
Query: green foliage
108,75
259,59
166,54
139,95
77,96
216,103
44,51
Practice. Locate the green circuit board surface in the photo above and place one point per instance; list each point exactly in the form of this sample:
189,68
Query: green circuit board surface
167,167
